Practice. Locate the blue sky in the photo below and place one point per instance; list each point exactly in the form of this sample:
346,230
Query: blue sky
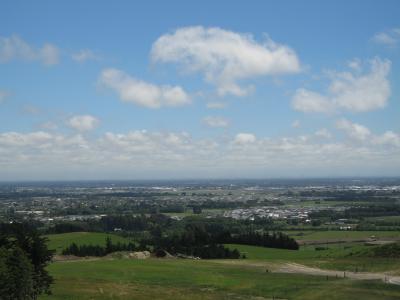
105,90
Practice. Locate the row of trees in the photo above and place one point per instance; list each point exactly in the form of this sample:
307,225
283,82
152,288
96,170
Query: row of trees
194,240
97,250
274,240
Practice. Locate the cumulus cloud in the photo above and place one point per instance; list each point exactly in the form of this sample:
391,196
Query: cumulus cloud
224,57
28,139
244,138
361,133
389,37
214,121
323,133
352,91
354,130
308,101
83,122
130,89
153,154
15,48
84,55
388,138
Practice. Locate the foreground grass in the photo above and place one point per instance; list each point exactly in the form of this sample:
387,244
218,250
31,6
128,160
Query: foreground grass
336,257
60,241
186,279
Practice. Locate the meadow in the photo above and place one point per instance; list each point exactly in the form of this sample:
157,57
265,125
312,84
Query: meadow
58,242
250,278
188,279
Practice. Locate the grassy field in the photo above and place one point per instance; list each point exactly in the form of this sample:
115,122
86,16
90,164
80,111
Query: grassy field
187,279
341,234
220,279
337,257
60,241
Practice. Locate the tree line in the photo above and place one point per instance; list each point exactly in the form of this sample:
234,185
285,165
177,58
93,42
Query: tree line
266,239
97,250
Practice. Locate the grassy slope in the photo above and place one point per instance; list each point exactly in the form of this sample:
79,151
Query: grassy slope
186,279
60,241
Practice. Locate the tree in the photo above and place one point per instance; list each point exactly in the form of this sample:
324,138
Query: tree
29,241
16,275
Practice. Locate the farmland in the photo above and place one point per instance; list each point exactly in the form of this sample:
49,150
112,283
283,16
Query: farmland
182,279
256,277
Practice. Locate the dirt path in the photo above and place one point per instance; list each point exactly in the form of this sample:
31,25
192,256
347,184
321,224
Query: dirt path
301,269
295,268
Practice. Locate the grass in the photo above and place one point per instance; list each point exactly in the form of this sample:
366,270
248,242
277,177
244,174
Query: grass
60,241
341,234
336,257
186,279
121,279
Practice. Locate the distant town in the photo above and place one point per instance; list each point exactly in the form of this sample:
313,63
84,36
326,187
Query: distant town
340,204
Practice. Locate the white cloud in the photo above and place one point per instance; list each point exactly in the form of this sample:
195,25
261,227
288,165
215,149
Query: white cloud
14,48
84,55
142,93
296,124
389,37
323,133
213,121
355,64
3,95
244,138
20,139
216,105
83,122
49,54
48,125
308,101
388,138
363,134
358,92
224,57
354,130
152,154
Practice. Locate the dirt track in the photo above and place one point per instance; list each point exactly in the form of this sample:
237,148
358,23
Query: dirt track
301,269
294,268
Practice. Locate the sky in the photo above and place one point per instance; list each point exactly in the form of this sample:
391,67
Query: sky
205,89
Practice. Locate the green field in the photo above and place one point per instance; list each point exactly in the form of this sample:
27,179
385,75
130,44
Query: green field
60,241
337,257
107,278
187,279
341,234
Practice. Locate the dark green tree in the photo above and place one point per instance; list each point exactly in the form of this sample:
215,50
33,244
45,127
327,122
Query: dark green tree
16,275
34,246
